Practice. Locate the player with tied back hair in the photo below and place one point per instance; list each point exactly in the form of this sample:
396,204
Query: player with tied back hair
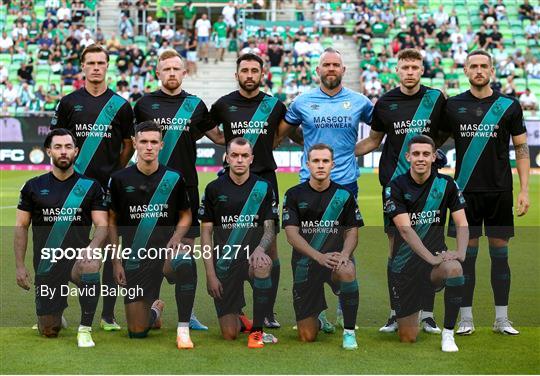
238,215
416,203
321,220
61,206
482,121
150,210
400,114
250,113
183,118
102,122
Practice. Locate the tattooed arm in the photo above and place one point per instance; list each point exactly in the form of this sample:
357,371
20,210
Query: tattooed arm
259,258
523,164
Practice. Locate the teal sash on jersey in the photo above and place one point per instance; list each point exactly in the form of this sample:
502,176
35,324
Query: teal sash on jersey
237,235
146,225
433,202
423,112
61,227
92,142
172,136
480,140
332,212
261,115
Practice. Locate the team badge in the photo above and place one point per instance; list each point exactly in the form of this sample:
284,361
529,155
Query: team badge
265,107
497,108
436,194
188,105
347,105
427,101
78,190
258,195
165,186
338,203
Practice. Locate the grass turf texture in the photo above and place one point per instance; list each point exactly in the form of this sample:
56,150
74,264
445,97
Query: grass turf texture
23,351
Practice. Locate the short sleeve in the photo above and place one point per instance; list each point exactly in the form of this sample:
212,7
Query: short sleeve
214,117
99,200
376,123
456,201
206,210
126,121
269,208
25,199
367,113
113,195
394,202
60,118
294,114
182,198
201,119
291,215
517,125
351,216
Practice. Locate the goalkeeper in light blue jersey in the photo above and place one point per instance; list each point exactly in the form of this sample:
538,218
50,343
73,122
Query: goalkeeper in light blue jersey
330,114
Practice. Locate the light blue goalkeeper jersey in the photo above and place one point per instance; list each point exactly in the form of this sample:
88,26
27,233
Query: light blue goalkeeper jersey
333,121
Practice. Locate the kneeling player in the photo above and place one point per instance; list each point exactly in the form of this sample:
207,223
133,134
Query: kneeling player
321,220
238,215
61,205
150,209
417,202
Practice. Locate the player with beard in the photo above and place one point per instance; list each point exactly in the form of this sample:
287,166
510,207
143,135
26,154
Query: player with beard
400,114
482,121
330,114
61,206
255,116
102,122
184,119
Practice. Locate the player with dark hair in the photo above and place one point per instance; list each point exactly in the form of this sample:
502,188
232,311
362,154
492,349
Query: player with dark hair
482,121
321,220
183,119
61,206
400,114
238,215
150,209
102,122
417,203
250,113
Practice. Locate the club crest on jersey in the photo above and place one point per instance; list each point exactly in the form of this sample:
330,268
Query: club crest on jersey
155,106
44,192
393,107
78,108
78,190
258,195
462,110
427,102
347,105
189,106
222,198
265,108
479,112
497,108
436,194
338,202
129,189
166,186
302,205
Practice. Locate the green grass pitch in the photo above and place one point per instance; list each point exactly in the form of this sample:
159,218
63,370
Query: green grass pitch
23,351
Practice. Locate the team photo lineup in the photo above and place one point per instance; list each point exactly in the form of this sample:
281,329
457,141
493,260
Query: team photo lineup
123,213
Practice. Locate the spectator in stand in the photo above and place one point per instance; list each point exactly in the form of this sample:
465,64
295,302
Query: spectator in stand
459,57
125,26
532,69
275,53
48,21
10,96
122,61
203,28
124,6
338,20
51,6
6,43
528,100
440,17
19,32
482,39
4,73
191,54
24,73
25,96
532,31
69,73
526,11
229,16
135,95
78,82
87,41
301,47
152,28
64,12
39,101
220,30
510,87
167,33
189,11
141,6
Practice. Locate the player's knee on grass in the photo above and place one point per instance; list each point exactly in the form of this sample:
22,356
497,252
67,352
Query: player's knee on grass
308,329
229,333
50,325
407,333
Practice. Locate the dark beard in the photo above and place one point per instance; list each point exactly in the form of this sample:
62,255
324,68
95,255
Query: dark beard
62,167
245,88
331,85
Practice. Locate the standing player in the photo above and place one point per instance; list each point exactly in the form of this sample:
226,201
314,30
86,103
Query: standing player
150,209
321,220
400,114
238,215
481,122
254,115
330,114
102,122
183,119
61,205
416,203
